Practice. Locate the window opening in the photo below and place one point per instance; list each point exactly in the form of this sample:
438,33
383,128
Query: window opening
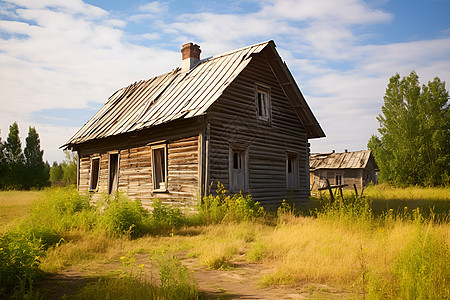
95,172
338,179
292,172
238,180
113,173
159,168
263,105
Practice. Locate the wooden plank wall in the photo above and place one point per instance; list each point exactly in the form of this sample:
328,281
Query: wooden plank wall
135,173
233,120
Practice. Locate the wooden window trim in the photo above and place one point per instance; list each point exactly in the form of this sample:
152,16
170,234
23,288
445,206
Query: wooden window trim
244,150
295,171
166,167
267,107
110,191
91,177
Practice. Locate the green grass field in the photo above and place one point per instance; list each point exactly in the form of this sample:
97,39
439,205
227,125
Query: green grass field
344,250
15,207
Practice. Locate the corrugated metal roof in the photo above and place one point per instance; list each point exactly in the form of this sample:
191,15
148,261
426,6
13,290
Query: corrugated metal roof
168,97
346,160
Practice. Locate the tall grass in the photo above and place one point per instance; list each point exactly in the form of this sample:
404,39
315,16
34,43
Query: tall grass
392,254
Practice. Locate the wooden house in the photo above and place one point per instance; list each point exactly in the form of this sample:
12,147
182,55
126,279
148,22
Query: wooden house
238,118
357,167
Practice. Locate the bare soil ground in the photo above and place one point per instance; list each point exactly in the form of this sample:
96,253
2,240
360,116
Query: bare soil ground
239,282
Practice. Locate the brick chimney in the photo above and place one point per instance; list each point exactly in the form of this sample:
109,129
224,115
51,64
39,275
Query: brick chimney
191,56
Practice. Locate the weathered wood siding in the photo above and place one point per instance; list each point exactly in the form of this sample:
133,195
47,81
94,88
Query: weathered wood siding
135,168
233,121
360,177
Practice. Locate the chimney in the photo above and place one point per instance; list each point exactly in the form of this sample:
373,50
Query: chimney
346,150
191,56
332,151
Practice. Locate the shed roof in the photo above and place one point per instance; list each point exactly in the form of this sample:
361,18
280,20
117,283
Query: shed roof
346,160
182,95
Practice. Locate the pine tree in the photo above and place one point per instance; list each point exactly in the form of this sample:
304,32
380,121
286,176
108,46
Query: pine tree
36,170
414,129
2,165
14,159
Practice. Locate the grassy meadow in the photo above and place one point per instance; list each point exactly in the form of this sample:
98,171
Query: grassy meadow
370,247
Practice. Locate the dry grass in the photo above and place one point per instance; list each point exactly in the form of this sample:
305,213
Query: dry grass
297,250
15,207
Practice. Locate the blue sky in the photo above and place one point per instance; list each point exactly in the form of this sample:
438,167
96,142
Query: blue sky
61,59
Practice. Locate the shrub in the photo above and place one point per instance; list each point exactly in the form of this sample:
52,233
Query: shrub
238,207
165,217
19,261
120,215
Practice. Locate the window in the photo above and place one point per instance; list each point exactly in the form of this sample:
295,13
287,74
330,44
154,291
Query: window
292,172
113,173
238,170
263,104
338,179
95,172
159,166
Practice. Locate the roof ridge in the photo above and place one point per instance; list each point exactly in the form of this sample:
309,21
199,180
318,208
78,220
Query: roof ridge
233,51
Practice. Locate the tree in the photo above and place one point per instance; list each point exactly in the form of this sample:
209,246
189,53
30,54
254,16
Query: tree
3,165
37,172
56,173
66,172
14,158
415,129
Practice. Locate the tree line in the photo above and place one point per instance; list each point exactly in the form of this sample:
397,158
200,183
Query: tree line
414,147
24,170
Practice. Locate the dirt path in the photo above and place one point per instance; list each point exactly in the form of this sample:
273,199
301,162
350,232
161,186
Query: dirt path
239,282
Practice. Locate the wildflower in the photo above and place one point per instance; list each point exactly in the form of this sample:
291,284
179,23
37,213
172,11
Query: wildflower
122,258
141,266
405,208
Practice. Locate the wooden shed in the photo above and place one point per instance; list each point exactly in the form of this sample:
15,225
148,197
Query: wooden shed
238,118
357,167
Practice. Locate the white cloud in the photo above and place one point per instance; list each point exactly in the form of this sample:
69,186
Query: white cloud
65,54
154,7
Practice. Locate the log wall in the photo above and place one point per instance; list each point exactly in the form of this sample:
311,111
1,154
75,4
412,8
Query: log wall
135,171
233,121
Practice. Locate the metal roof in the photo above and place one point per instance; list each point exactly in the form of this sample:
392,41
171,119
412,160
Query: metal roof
346,160
171,96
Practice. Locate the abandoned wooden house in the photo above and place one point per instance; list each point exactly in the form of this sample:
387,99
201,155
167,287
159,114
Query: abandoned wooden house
238,118
348,168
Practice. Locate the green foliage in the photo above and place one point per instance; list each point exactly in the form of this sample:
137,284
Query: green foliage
22,170
352,211
14,159
414,129
37,172
57,211
56,172
19,261
423,267
177,282
120,215
166,216
238,207
66,172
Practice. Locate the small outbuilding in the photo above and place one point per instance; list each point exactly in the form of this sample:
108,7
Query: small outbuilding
348,168
238,118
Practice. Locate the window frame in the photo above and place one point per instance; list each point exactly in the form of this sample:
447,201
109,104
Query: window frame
91,174
267,109
156,186
292,184
341,178
110,191
243,151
